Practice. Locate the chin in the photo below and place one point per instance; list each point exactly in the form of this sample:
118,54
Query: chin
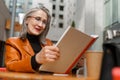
37,34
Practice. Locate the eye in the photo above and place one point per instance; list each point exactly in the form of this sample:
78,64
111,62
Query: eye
45,22
38,18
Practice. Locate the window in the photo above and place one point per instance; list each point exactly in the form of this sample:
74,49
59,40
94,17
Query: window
54,7
61,1
111,12
60,25
60,16
61,8
53,15
40,4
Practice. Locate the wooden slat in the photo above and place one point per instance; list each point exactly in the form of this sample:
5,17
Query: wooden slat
16,28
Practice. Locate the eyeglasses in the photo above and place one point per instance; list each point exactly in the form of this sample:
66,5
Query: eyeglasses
38,19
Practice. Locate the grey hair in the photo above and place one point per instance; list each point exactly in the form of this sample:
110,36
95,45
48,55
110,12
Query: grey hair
43,35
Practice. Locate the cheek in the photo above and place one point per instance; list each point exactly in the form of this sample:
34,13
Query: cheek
30,24
30,27
44,27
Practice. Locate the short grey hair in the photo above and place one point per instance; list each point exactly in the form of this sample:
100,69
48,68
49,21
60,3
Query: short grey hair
43,35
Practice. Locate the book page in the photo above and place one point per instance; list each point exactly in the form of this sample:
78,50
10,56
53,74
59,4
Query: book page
72,44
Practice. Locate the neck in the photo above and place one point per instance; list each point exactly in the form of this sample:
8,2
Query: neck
32,38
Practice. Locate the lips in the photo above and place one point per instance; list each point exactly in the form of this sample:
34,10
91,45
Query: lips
37,28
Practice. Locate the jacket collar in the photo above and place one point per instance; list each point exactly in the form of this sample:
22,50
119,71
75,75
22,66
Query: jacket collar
27,47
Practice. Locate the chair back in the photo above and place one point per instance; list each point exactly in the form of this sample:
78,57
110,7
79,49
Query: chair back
111,58
2,48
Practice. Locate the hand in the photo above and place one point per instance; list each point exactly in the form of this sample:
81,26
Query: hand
48,54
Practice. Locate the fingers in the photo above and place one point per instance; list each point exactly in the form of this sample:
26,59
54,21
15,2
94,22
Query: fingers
50,58
51,53
48,54
52,48
54,56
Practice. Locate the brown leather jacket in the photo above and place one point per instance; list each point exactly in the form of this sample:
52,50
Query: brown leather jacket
18,54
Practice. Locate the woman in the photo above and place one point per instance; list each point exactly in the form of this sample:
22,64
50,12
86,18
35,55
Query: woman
31,49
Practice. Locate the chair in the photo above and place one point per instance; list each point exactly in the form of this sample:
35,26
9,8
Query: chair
111,59
2,66
2,43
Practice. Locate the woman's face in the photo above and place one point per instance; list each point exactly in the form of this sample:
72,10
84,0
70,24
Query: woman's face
37,22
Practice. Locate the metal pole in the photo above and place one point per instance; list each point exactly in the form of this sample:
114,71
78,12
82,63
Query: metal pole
13,18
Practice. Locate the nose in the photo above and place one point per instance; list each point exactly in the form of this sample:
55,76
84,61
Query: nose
40,23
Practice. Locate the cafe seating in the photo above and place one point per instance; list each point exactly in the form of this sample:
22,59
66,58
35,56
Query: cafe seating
3,69
2,66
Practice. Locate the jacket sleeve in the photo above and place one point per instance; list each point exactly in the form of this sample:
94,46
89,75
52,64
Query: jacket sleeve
48,42
15,60
34,64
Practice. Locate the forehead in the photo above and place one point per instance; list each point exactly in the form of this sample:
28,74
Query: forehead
40,13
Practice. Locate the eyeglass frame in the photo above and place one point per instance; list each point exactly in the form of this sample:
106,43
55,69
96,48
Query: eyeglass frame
38,19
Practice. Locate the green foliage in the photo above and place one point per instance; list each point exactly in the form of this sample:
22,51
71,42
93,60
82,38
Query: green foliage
73,24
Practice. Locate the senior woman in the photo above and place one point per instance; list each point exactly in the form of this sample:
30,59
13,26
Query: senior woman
31,49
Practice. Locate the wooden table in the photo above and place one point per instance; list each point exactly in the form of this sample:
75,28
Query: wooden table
36,76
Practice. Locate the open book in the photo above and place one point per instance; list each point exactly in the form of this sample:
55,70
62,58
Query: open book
72,44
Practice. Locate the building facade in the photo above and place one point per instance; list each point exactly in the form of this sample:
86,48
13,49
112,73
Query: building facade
63,12
89,16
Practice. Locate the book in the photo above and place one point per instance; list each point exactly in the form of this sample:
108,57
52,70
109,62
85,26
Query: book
72,44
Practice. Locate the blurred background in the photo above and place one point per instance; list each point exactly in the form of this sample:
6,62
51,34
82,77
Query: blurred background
99,17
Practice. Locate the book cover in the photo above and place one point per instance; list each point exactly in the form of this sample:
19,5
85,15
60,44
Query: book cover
72,44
